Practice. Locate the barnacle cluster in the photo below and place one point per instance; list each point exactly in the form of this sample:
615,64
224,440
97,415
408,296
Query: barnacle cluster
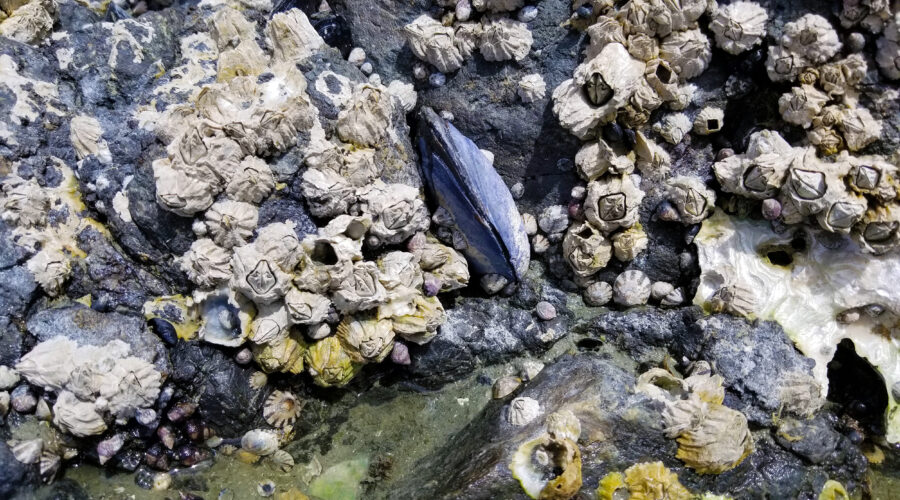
712,438
27,21
447,43
304,302
91,381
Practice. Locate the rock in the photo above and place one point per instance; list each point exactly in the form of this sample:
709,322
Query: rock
504,386
14,475
17,290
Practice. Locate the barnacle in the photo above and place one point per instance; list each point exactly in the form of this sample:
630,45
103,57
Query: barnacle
282,408
604,31
366,339
612,203
433,42
404,93
329,364
532,87
585,249
597,158
291,36
400,269
229,28
687,52
467,37
270,325
739,26
691,197
888,54
673,127
231,223
258,277
652,480
24,203
662,79
801,394
801,105
629,243
252,182
842,211
87,138
612,487
807,184
783,64
206,263
76,417
504,39
246,59
367,117
182,189
812,38
871,175
643,47
716,439
631,288
326,262
547,467
709,120
31,22
278,241
522,410
305,308
652,160
361,289
447,264
879,230
327,192
397,211
420,323
50,268
859,128
286,355
841,76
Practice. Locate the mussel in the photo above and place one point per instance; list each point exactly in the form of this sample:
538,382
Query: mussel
460,179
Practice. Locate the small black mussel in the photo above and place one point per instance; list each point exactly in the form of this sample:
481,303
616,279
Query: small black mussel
164,330
460,179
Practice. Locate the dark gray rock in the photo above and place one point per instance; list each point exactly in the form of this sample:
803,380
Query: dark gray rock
220,386
14,475
11,341
17,290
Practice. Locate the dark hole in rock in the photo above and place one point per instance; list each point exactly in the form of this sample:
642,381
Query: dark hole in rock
780,258
325,254
589,344
857,387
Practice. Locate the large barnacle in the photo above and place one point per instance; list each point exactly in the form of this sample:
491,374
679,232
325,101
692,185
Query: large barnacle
252,182
586,249
808,182
206,263
400,269
838,77
843,210
448,265
306,308
367,117
278,241
596,158
430,41
687,52
291,36
183,190
504,39
801,105
604,31
397,211
612,203
629,243
643,47
714,439
258,277
356,165
693,200
329,364
271,324
879,230
739,26
326,262
231,223
361,290
532,88
24,203
812,38
760,172
871,175
30,23
420,323
327,192
653,480
784,65
366,339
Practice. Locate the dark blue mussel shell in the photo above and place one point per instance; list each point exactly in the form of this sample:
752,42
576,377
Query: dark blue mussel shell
460,179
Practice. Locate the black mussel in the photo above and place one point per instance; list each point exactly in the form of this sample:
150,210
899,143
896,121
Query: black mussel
164,330
335,31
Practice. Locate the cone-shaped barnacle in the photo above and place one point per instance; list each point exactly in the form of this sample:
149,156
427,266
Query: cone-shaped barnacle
329,364
419,324
365,338
291,36
231,223
282,408
361,290
643,47
734,298
27,452
183,190
260,442
673,127
758,178
871,175
76,417
812,38
400,269
653,480
367,117
225,316
888,54
327,192
713,443
801,105
467,37
842,211
257,276
784,65
24,203
641,103
739,26
586,249
652,160
206,263
460,179
597,158
629,243
445,263
278,242
357,165
430,41
252,183
660,385
397,211
662,79
687,52
809,185
599,88
859,128
229,27
326,262
879,230
286,355
271,324
801,394
604,31
504,39
532,88
709,120
306,308
840,76
613,487
612,203
693,200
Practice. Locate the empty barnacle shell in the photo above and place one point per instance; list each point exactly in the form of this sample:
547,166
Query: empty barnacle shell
366,118
231,223
327,192
663,80
631,288
812,38
397,211
690,196
629,243
285,354
306,308
257,277
598,157
859,128
282,408
260,442
462,181
654,480
329,364
430,41
532,88
612,203
710,120
801,105
879,230
252,182
739,26
206,263
586,249
548,468
503,39
27,452
522,411
282,460
366,339
270,324
246,59
225,319
687,52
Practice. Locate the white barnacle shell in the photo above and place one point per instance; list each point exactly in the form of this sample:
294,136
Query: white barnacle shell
420,324
532,88
30,23
247,59
278,242
760,172
878,232
631,288
842,211
231,223
447,264
504,39
326,262
596,158
812,38
662,79
467,37
357,165
257,276
291,36
693,200
28,451
353,227
306,308
431,41
522,411
229,28
709,120
840,76
361,290
687,52
51,267
327,192
652,160
404,93
271,324
801,105
784,65
252,182
859,128
131,384
599,88
259,441
801,394
887,54
400,269
25,203
563,425
643,47
605,30
206,263
397,211
712,438
673,127
637,111
182,190
49,364
871,175
367,117
366,339
733,297
739,26
612,203
77,417
87,138
586,249
629,243
808,182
